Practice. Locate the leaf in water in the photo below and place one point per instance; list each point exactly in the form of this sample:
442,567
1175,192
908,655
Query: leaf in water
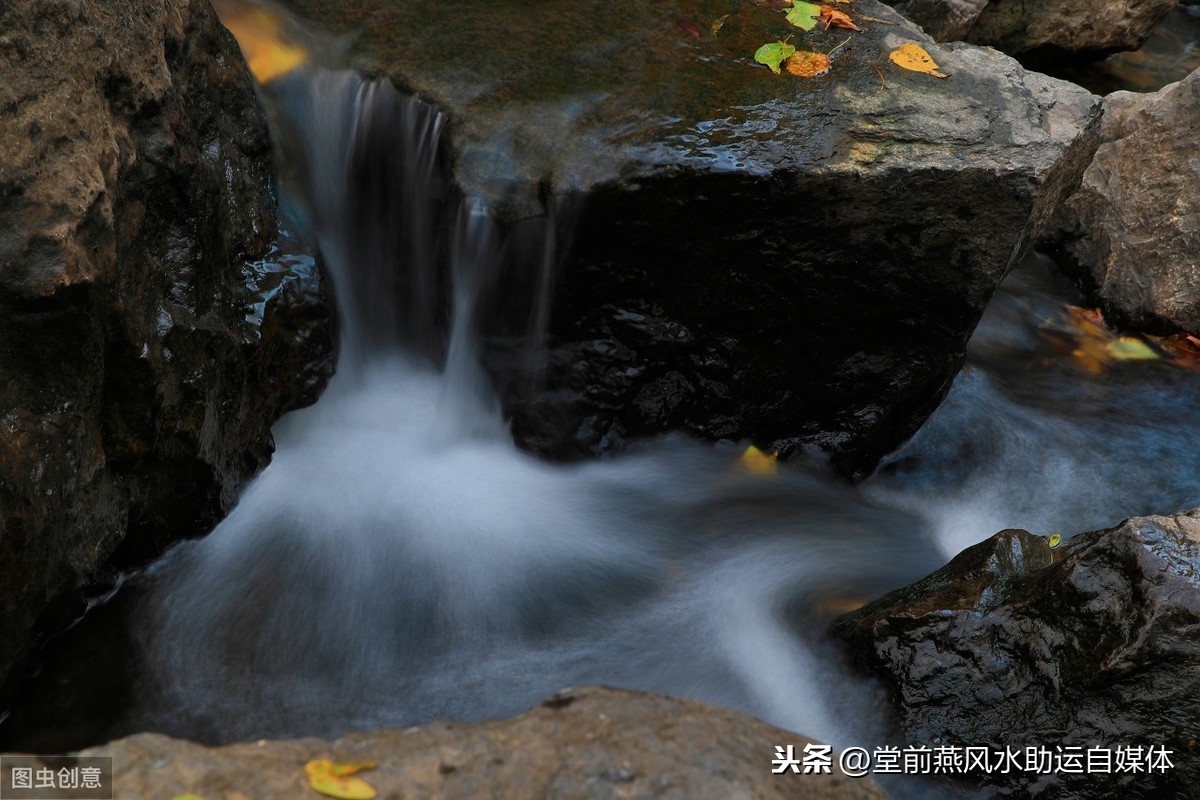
914,58
688,26
837,19
1183,348
333,780
756,462
804,15
806,64
773,54
1055,540
716,26
1131,348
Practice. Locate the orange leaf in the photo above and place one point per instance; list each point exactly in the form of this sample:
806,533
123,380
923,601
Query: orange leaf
807,64
838,19
913,57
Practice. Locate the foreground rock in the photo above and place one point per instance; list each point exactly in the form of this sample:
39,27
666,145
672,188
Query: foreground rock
149,334
1133,228
1050,31
588,743
797,261
1015,644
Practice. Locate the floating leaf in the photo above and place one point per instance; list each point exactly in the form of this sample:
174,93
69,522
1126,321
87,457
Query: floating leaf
333,779
838,19
806,64
804,15
1055,540
773,54
1131,348
716,26
913,57
688,26
756,462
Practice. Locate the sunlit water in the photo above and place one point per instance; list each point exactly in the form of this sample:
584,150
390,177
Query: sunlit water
401,561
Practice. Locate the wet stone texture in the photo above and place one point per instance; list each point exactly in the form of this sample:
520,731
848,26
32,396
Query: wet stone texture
584,743
1044,32
793,261
152,323
1013,644
1132,230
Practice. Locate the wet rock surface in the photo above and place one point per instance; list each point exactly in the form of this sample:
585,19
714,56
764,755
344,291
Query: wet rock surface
1132,230
798,262
1043,32
1014,644
152,321
585,743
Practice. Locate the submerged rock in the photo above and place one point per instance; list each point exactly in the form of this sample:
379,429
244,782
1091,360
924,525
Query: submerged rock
586,743
1048,31
1089,645
1132,230
151,326
795,261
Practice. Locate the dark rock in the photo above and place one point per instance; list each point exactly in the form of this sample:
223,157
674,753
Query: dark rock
1133,228
585,743
809,256
1013,644
151,325
1044,32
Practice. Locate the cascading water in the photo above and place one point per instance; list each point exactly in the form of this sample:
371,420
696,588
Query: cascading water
401,561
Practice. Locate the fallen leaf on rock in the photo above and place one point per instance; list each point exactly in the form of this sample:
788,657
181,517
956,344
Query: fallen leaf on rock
807,64
333,779
688,26
913,57
838,19
716,26
259,34
1055,540
756,462
804,15
773,54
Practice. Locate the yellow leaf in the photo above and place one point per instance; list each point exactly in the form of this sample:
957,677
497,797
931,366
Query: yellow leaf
333,779
1055,540
259,34
756,462
913,57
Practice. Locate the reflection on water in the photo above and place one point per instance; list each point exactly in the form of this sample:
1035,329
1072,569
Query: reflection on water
1170,54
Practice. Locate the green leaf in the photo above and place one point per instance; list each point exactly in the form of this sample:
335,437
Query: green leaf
804,15
773,54
1129,348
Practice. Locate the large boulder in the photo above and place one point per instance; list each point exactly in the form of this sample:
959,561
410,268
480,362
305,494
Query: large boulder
795,261
151,325
587,743
1132,230
1090,645
1043,32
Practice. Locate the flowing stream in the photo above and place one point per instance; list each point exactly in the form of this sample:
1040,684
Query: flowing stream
401,561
